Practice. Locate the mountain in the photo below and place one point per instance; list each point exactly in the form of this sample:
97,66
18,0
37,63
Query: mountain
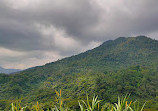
8,71
117,67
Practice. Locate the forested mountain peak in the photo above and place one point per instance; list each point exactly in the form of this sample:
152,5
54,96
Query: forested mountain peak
123,51
116,67
139,42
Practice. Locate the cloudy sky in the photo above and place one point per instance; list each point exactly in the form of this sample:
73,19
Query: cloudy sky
35,32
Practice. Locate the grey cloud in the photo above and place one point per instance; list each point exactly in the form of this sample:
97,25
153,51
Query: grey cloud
83,21
19,37
140,17
75,17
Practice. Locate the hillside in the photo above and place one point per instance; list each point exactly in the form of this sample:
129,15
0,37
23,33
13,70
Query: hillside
117,67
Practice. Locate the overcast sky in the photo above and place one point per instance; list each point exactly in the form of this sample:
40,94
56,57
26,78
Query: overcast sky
35,32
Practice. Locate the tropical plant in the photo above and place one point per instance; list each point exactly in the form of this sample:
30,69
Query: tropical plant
90,107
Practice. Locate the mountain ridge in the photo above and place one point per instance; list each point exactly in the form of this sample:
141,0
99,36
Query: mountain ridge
8,71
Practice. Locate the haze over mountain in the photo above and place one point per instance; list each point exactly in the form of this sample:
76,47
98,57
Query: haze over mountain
117,67
8,71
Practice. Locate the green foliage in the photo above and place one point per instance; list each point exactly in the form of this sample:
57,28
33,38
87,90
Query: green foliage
117,67
94,105
122,105
18,108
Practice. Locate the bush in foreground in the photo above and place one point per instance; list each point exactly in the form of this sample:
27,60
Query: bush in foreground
95,105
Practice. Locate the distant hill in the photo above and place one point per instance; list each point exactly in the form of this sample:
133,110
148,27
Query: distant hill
8,71
117,67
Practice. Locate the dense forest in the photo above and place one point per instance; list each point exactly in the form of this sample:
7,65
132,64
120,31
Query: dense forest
127,65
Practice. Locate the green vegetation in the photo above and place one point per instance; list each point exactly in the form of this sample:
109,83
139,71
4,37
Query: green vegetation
122,105
116,68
